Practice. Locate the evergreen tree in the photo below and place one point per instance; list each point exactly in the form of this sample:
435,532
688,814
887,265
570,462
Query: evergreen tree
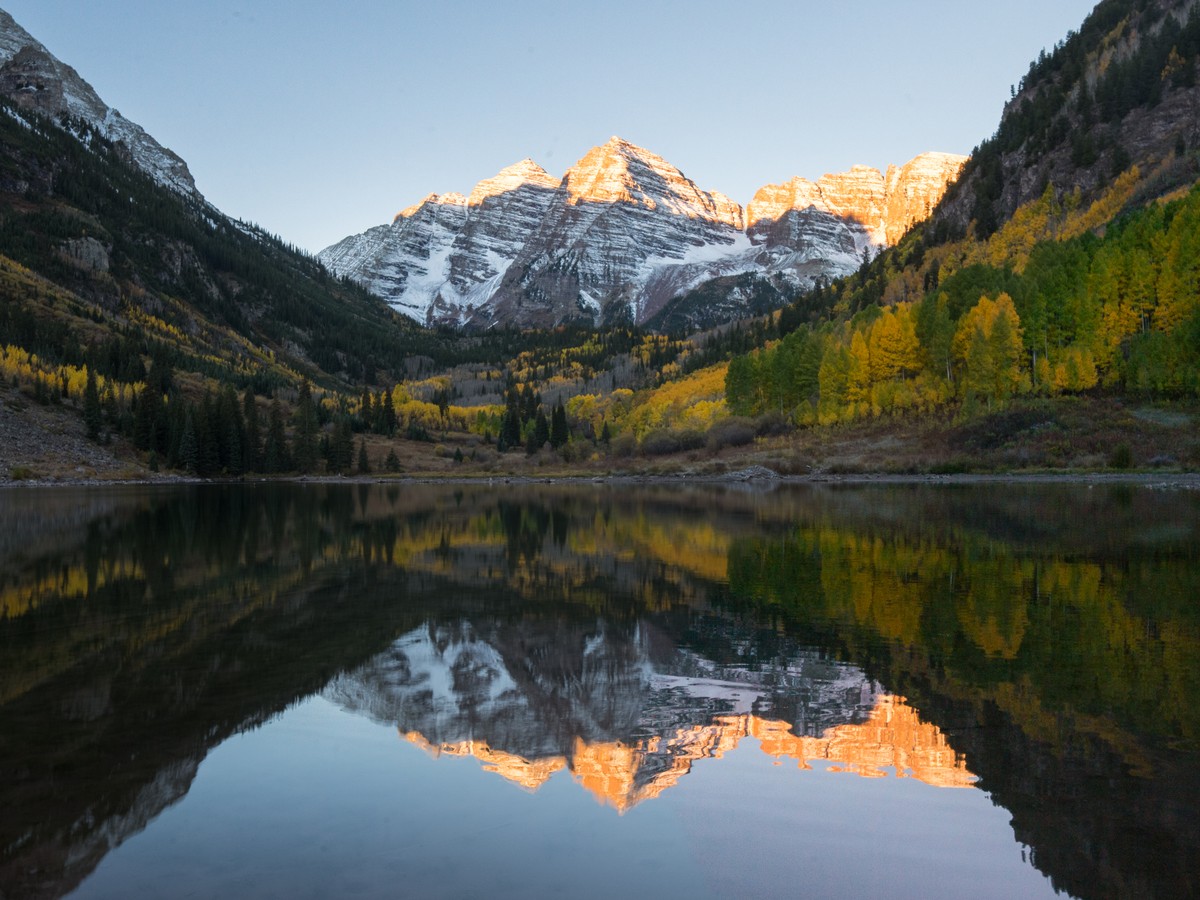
304,434
252,449
559,433
510,425
275,452
540,434
189,450
367,411
230,432
392,463
92,413
364,466
387,414
341,446
207,438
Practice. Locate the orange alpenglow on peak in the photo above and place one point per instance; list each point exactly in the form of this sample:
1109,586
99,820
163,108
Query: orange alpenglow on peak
622,172
894,737
525,172
885,205
452,199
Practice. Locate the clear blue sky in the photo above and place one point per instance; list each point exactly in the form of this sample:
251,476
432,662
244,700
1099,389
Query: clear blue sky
321,119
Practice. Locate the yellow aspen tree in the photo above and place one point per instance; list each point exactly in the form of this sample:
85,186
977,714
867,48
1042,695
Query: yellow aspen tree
858,377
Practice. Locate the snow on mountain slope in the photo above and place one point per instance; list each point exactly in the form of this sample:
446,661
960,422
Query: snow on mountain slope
622,234
616,210
34,79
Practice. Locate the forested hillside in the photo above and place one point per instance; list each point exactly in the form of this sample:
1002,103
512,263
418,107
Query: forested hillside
1066,261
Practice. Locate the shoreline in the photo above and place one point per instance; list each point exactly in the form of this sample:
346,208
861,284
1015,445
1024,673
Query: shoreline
756,476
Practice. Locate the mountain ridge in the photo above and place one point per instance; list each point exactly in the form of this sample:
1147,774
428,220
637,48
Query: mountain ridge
33,78
621,234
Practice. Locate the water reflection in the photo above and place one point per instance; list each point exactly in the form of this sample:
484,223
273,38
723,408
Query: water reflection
627,714
1046,638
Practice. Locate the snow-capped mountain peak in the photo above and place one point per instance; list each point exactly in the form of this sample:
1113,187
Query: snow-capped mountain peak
525,172
621,234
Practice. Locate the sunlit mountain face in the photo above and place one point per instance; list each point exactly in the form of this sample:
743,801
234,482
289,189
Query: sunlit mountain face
377,662
621,235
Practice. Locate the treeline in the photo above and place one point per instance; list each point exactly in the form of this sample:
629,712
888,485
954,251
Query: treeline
1120,312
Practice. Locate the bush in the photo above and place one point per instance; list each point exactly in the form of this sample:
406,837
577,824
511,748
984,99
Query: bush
663,441
623,446
772,424
1121,458
735,432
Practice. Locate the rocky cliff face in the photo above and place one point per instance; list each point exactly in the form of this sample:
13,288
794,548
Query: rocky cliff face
32,78
442,258
914,189
620,215
829,223
622,234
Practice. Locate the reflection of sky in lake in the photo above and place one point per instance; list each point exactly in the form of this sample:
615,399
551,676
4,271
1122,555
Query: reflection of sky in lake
319,802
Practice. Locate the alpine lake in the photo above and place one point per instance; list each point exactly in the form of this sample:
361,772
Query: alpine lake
600,690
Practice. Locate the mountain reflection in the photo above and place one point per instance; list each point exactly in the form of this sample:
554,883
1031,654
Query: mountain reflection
616,637
626,713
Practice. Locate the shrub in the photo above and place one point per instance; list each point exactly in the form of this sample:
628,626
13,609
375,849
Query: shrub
772,423
623,446
663,441
1121,458
735,432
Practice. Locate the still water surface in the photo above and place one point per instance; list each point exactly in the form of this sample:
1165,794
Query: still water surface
588,691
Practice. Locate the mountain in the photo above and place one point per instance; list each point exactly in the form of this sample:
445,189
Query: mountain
448,252
1119,92
621,235
33,79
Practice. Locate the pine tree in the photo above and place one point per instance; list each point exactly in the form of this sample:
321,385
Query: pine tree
540,434
189,450
364,466
230,432
387,414
92,414
341,446
559,432
275,453
304,435
252,450
510,425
